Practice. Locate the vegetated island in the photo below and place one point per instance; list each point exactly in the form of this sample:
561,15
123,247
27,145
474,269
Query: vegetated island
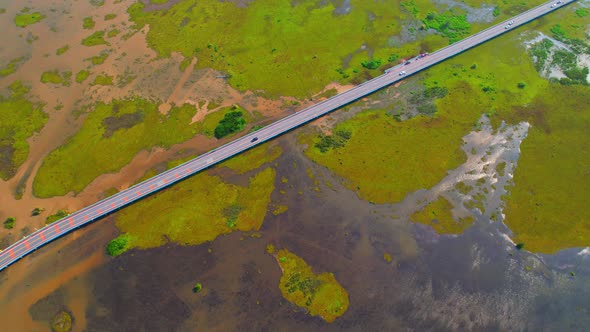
320,294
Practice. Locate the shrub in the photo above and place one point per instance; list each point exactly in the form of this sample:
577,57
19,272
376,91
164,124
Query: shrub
371,64
9,222
197,288
118,245
521,85
57,216
231,123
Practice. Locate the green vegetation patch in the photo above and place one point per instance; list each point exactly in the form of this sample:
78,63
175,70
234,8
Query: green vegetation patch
94,39
82,75
233,118
113,33
55,77
56,216
9,222
582,12
11,67
437,214
253,158
231,123
103,80
289,42
99,59
118,245
196,211
454,27
61,322
547,206
24,19
62,50
379,160
88,23
320,294
73,166
109,17
20,120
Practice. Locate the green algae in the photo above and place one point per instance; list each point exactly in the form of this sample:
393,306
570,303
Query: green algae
194,211
437,214
21,119
320,294
74,165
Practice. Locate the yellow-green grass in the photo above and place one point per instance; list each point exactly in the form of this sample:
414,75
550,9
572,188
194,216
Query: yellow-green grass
158,2
320,294
110,16
253,158
25,19
547,208
211,120
275,46
97,38
385,159
62,50
103,80
56,216
20,120
110,137
88,23
195,211
82,75
55,77
437,214
11,67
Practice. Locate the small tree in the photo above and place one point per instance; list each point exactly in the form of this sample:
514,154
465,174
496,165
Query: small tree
197,288
519,246
37,211
9,222
521,85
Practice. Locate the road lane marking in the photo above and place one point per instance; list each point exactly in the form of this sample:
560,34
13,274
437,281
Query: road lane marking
151,186
57,228
71,222
139,193
99,211
27,245
86,217
42,236
176,175
12,253
125,198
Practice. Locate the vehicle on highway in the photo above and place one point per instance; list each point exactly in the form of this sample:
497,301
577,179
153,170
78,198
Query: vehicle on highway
254,140
408,62
511,22
507,27
402,73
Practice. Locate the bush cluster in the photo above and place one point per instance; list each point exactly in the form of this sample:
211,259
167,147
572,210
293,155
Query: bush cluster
232,122
335,141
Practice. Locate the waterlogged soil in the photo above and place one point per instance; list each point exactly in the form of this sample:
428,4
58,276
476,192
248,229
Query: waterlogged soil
472,282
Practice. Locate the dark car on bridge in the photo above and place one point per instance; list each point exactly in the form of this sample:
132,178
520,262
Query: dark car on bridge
254,140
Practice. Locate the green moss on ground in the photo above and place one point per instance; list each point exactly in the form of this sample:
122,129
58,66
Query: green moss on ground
20,120
61,322
88,23
116,132
94,39
62,50
320,294
55,77
438,215
452,26
11,67
24,19
196,211
82,75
